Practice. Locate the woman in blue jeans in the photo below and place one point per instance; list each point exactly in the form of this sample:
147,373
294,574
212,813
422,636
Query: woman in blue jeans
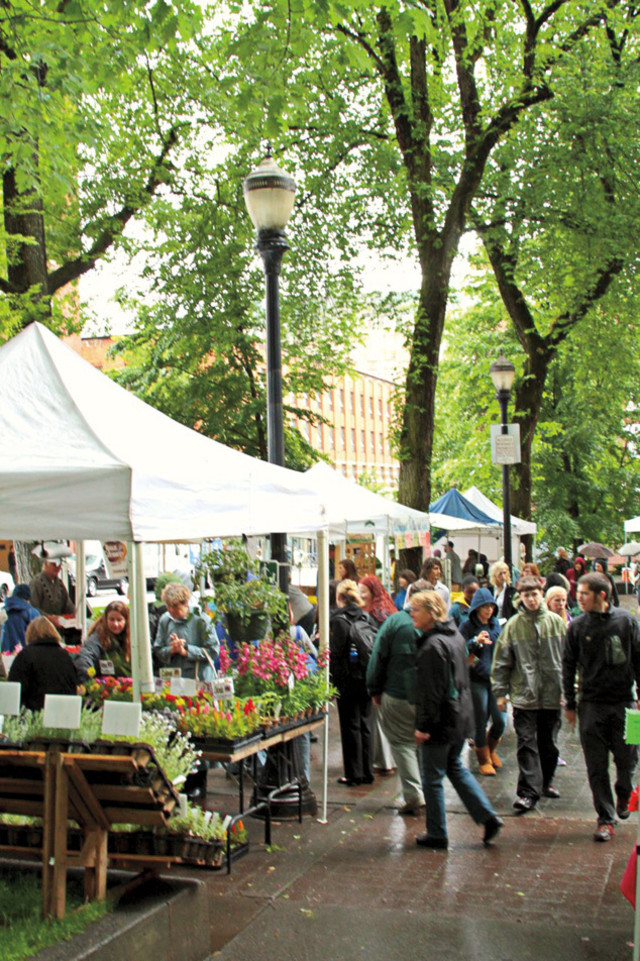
481,630
444,718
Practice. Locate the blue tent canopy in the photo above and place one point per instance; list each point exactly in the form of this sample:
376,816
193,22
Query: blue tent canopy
455,504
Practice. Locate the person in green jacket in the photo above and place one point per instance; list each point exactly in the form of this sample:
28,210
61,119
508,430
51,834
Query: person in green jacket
527,666
391,682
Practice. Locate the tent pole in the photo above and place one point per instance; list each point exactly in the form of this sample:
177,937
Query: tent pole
81,590
323,624
141,665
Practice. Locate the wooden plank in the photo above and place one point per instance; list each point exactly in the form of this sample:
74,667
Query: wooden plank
22,758
125,794
34,808
95,875
112,764
21,787
61,820
48,824
150,816
84,799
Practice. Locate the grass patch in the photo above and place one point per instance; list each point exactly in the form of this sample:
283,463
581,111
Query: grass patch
23,933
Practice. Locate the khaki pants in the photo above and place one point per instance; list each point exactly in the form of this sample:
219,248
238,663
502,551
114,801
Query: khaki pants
398,719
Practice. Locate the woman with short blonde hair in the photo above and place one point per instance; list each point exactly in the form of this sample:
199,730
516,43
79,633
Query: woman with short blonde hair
503,591
432,602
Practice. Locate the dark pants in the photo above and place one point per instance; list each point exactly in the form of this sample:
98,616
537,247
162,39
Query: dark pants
354,712
537,752
601,732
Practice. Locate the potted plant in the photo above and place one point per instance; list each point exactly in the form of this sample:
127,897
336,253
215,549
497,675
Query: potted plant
246,598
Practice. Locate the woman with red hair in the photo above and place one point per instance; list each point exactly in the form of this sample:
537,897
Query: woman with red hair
379,605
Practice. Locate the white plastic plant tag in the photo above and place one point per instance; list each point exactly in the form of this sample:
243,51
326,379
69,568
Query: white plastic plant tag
121,719
168,672
185,686
223,687
62,710
182,800
277,709
179,780
10,697
226,822
291,681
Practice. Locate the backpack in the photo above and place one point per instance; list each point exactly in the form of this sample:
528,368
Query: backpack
362,634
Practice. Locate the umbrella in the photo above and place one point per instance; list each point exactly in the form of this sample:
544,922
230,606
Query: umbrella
629,550
593,549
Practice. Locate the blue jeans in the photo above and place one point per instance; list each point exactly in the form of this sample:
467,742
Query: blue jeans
436,760
485,708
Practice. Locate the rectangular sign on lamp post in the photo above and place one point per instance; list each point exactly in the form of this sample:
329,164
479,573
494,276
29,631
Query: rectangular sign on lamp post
505,448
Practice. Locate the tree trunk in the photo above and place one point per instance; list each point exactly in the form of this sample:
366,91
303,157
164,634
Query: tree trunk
27,263
528,402
27,565
416,436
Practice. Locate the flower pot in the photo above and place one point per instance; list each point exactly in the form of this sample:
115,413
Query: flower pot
241,630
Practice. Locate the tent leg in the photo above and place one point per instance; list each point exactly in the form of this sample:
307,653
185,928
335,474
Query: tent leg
323,623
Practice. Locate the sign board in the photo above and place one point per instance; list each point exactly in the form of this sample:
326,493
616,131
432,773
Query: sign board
62,710
115,556
10,698
505,448
121,719
185,686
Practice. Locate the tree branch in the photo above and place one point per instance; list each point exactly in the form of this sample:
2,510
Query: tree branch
116,224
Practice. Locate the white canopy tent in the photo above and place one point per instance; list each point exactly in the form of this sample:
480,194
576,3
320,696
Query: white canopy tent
518,526
352,508
632,526
83,458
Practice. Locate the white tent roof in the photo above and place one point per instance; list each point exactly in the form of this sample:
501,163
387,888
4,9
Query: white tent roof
632,525
83,458
518,526
349,506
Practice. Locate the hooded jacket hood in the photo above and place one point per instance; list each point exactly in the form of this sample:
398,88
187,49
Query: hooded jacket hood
483,596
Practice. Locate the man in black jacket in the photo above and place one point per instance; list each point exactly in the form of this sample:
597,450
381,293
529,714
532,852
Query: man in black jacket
444,719
603,645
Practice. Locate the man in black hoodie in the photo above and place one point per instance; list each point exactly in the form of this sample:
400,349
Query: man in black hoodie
603,645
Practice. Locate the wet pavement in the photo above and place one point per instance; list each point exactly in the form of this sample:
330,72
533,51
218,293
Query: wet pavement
359,887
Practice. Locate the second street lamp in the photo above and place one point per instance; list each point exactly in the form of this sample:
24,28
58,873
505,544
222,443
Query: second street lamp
269,195
502,374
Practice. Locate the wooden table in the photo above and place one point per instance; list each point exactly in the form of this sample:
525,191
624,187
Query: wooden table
95,790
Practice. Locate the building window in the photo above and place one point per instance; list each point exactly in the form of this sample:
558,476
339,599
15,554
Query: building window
372,438
362,403
371,406
343,441
341,399
353,401
331,400
353,439
363,440
380,406
319,436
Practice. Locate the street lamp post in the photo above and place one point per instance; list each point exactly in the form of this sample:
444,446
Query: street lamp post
502,374
269,194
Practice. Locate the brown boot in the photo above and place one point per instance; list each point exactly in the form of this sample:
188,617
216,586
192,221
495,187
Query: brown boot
484,761
495,760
